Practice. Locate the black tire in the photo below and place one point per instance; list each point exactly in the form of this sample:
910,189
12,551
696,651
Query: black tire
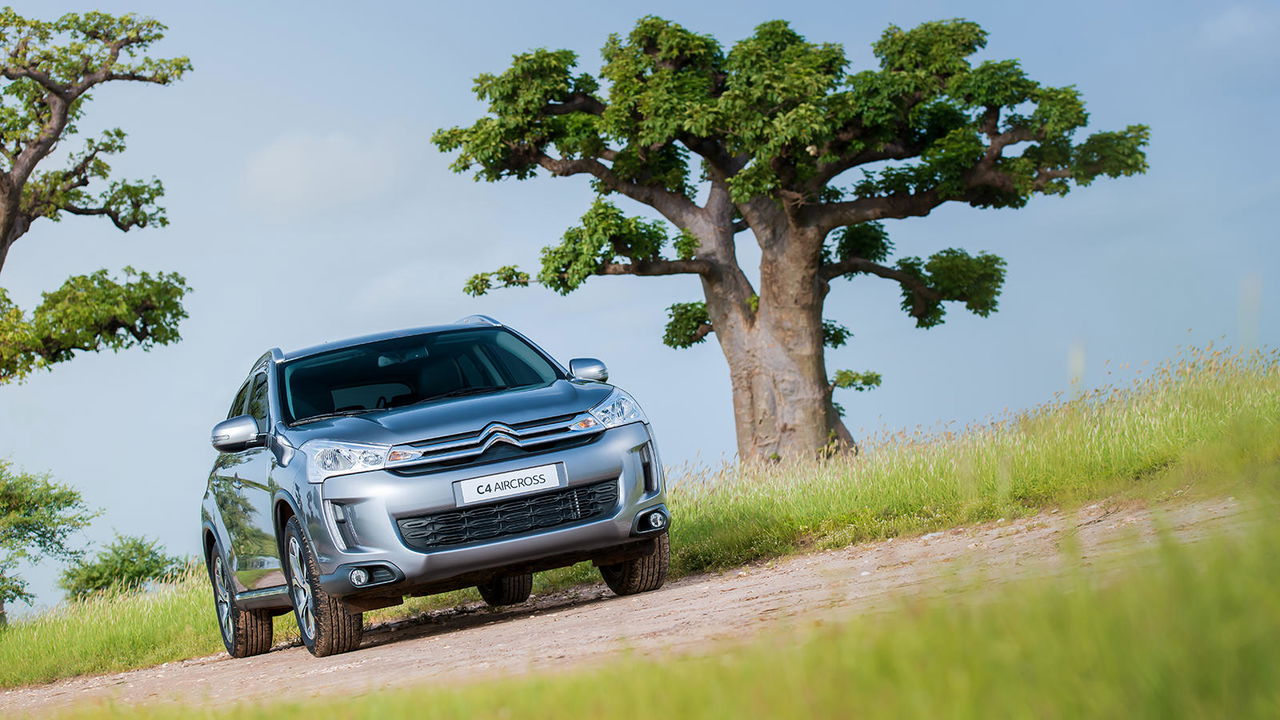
641,574
327,625
507,589
244,632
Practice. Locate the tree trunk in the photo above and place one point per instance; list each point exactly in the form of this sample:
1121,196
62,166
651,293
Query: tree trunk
781,396
781,393
4,619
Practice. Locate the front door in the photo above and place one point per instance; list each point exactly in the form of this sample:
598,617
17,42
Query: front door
257,562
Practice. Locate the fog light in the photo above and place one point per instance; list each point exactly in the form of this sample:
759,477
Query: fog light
359,576
657,520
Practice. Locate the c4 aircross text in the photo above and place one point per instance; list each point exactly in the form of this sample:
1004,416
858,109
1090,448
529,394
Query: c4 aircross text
355,473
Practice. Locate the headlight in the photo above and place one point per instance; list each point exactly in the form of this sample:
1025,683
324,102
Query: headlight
326,458
618,409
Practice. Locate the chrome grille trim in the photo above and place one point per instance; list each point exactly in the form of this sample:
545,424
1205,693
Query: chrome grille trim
523,435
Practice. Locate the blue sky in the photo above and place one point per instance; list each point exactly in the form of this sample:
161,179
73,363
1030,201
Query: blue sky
307,204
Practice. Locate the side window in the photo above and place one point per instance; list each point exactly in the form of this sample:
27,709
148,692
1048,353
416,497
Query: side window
237,405
258,401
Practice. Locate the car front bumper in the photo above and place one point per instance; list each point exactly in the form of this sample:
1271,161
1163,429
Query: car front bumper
353,518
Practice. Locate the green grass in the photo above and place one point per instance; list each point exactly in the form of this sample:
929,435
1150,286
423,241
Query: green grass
1192,414
1179,631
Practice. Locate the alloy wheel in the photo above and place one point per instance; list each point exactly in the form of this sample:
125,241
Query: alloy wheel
222,598
300,588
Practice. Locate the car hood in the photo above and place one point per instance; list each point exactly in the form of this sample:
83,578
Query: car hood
453,416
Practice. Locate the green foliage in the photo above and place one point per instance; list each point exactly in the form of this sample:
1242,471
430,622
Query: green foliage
1110,154
605,235
505,277
127,204
953,274
124,565
852,380
790,106
834,334
869,241
507,143
686,245
90,313
65,48
685,324
37,519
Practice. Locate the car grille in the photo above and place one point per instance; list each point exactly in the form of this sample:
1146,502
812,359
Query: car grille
497,453
511,517
466,448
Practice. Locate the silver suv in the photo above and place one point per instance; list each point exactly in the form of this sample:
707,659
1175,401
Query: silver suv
355,473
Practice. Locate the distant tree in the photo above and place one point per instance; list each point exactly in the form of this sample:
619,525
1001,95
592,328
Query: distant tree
47,71
37,518
127,563
768,136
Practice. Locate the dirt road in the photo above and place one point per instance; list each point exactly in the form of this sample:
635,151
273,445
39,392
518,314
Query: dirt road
585,625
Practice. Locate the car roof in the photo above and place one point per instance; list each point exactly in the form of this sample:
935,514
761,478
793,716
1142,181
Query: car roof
471,321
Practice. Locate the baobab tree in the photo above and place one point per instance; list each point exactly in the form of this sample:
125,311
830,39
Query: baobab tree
778,137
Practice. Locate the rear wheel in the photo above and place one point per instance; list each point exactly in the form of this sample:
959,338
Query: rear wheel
327,625
245,632
640,574
507,589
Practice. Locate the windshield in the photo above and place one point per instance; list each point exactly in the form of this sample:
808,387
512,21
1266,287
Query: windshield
409,370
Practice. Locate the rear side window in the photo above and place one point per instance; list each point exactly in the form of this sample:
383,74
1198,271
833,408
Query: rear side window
258,401
237,405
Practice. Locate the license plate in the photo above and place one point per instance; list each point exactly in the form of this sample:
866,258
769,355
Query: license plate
508,484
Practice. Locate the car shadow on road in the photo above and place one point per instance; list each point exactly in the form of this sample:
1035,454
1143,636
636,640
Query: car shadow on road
478,614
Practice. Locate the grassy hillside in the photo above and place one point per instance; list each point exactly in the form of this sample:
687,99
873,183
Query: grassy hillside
1196,415
1190,631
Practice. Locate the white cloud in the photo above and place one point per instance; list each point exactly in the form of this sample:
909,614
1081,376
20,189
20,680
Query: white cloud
313,175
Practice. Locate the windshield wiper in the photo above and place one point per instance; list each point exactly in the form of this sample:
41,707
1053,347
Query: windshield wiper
338,413
463,391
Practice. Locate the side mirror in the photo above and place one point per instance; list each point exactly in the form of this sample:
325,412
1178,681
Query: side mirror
588,369
236,434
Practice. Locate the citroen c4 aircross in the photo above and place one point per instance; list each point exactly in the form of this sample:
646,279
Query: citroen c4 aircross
352,474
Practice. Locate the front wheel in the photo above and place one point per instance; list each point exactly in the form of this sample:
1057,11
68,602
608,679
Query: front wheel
327,625
641,574
245,632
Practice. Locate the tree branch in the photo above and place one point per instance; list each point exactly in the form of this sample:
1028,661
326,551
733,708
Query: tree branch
721,162
901,205
577,102
1046,175
829,216
921,293
78,175
826,172
125,224
675,207
16,72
